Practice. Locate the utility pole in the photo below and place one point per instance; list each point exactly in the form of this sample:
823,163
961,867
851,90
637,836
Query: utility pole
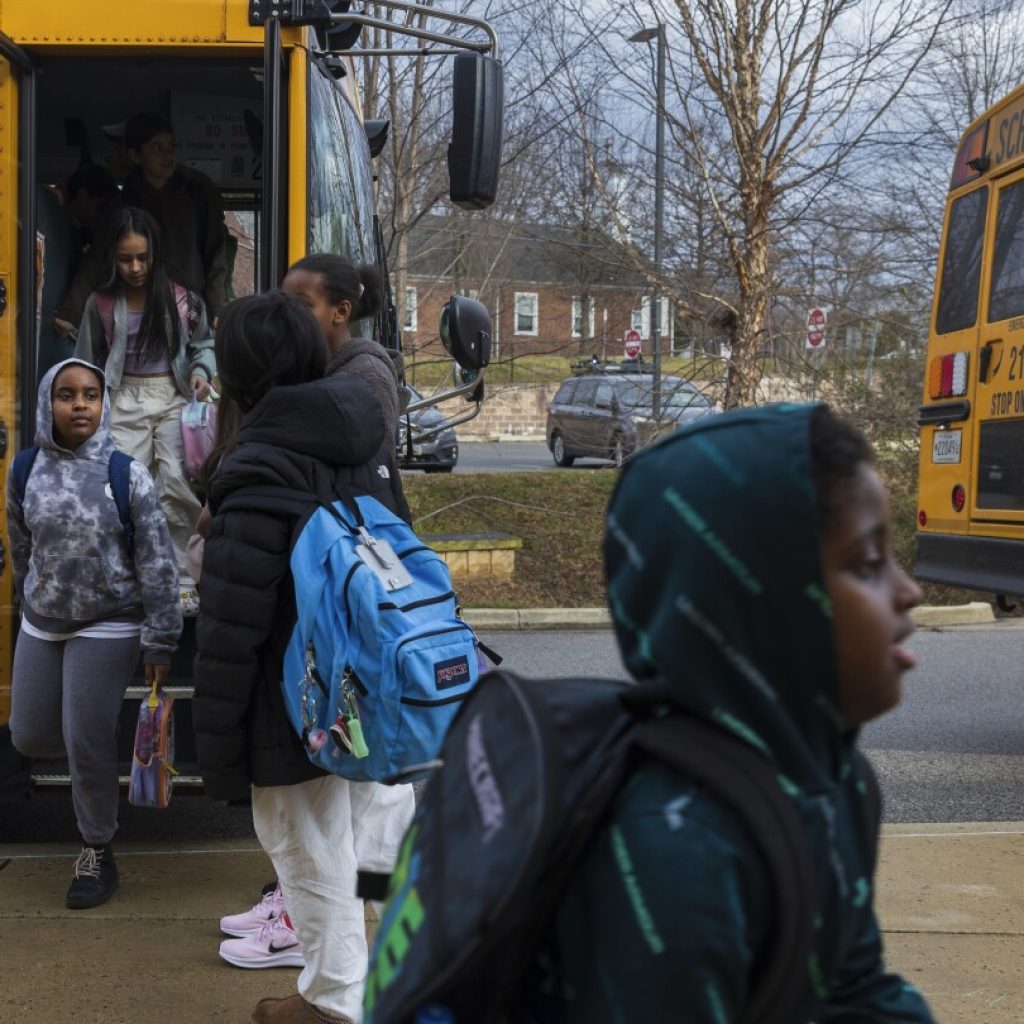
645,36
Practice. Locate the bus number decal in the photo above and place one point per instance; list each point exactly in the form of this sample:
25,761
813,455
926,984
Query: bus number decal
1016,362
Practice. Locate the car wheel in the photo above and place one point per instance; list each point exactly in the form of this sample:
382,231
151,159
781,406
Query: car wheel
558,451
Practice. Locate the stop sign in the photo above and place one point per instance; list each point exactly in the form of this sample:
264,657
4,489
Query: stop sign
632,344
817,320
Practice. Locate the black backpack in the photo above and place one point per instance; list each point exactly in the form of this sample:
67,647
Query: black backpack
530,767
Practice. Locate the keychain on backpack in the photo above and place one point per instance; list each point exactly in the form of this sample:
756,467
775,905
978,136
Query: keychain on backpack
313,737
347,730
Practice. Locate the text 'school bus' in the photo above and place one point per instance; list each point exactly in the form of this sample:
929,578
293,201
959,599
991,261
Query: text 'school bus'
971,496
263,99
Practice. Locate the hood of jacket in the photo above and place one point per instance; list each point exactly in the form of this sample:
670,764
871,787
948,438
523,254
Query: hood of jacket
334,422
712,557
100,445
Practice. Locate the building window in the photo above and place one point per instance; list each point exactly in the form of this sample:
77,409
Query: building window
409,320
641,318
526,313
577,317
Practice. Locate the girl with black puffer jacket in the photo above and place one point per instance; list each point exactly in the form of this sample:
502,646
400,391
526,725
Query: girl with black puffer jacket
306,434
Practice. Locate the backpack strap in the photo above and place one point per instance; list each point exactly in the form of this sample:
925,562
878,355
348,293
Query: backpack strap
21,470
105,309
745,780
187,304
119,469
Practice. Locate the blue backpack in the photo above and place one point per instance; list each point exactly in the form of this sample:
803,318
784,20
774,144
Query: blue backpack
379,661
119,470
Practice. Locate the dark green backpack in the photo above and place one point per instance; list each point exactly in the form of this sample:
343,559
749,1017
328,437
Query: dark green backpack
530,768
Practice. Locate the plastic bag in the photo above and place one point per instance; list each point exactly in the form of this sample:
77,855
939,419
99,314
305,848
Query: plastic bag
152,775
198,431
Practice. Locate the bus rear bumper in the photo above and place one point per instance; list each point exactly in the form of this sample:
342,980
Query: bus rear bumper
988,564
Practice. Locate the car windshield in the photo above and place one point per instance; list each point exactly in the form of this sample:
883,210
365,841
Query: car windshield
674,395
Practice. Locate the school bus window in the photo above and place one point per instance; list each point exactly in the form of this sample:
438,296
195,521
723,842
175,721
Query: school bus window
340,179
1001,465
1006,298
961,266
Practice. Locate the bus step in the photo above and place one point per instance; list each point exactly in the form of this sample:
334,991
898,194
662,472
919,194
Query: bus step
181,692
55,781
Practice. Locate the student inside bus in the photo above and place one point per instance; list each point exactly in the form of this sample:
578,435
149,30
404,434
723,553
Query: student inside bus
185,204
150,334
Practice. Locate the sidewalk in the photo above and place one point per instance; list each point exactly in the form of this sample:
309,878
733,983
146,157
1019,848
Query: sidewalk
978,613
949,899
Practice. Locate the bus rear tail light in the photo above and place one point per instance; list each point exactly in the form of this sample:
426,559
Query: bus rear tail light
959,498
947,376
922,518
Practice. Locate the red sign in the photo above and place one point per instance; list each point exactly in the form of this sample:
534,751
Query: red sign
633,345
817,320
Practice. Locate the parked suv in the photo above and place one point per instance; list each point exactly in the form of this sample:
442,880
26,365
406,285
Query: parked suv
435,448
608,415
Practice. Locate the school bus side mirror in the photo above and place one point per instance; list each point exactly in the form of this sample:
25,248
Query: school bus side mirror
466,332
478,111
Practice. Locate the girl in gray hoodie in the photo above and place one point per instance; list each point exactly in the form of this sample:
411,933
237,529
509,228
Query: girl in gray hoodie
89,601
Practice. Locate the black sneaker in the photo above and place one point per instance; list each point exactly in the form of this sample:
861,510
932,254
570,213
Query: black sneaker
95,878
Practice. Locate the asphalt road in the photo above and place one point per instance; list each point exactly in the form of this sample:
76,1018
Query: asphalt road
953,751
514,457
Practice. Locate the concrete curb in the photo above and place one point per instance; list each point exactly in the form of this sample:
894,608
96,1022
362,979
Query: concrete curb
538,618
954,615
930,617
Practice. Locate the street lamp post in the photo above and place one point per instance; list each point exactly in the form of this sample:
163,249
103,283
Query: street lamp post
645,36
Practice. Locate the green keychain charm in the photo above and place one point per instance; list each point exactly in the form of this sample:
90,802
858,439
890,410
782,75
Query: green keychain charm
355,730
347,730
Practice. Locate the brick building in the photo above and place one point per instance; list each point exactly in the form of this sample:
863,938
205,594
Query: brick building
550,290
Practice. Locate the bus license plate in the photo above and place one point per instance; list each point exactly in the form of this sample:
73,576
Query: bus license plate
946,445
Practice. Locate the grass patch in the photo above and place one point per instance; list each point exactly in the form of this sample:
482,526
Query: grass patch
559,516
428,374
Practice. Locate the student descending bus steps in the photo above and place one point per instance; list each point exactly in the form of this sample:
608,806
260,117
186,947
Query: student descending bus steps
90,596
151,336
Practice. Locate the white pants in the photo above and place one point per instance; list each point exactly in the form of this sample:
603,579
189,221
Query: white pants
317,834
145,423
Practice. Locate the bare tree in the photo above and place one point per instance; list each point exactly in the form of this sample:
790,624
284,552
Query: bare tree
770,101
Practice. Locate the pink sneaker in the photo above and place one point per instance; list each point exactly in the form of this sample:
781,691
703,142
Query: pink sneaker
250,922
274,945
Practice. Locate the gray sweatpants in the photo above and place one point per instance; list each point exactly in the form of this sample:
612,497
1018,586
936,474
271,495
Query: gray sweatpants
65,699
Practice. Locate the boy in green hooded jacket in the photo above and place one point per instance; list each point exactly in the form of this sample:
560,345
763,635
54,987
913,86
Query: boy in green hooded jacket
750,567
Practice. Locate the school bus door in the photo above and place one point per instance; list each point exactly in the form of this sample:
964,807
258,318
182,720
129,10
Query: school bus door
999,401
17,255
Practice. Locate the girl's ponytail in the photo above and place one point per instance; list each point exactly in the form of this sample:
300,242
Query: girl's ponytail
371,296
342,281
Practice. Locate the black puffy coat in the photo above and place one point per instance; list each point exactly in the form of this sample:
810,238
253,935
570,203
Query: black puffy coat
314,438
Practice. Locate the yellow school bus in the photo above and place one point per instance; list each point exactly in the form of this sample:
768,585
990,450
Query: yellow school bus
263,99
970,530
